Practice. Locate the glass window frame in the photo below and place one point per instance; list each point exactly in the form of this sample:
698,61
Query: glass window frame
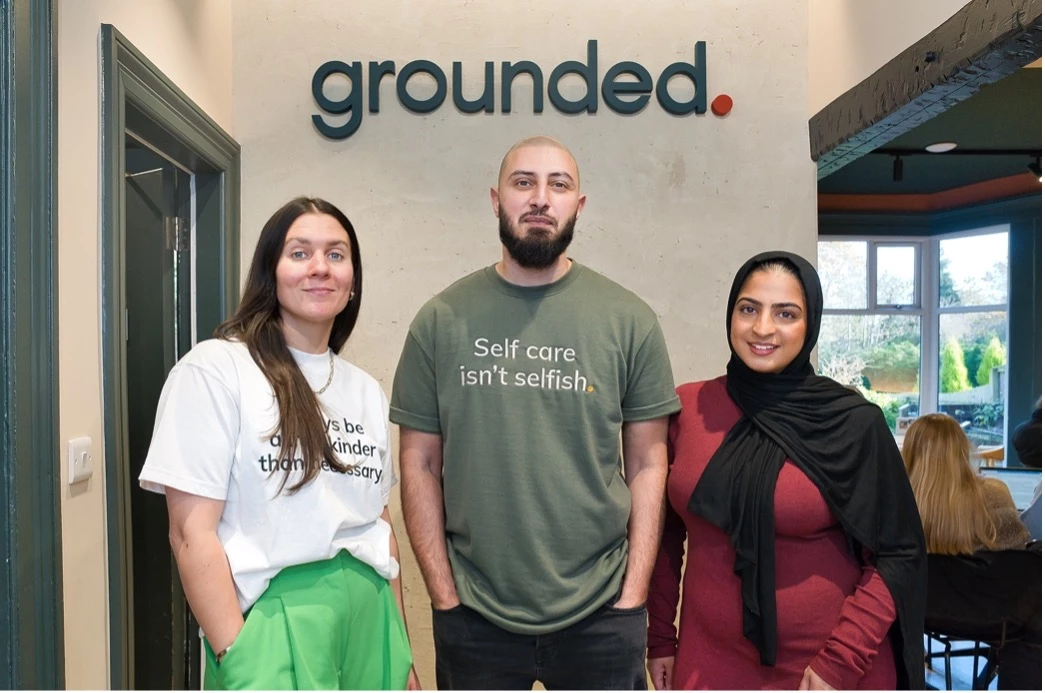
927,297
872,276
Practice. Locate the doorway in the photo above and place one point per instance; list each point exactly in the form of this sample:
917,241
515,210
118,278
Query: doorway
170,276
157,195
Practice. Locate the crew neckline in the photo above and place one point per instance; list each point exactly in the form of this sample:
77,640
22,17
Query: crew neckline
315,367
539,291
307,357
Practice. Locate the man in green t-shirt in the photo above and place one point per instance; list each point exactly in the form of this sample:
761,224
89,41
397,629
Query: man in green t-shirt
519,390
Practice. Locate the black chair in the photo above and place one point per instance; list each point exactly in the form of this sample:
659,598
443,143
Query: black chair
982,678
992,598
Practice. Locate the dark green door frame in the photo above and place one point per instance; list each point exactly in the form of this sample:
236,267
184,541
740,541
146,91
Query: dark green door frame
135,89
31,635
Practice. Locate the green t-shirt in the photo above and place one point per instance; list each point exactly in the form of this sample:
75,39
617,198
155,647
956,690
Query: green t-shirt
528,387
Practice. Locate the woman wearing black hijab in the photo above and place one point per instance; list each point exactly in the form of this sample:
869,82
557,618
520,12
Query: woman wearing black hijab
806,560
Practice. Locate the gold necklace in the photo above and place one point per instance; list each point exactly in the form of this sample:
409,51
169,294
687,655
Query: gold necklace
330,377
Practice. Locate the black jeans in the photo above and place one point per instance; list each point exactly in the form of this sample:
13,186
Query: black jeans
606,650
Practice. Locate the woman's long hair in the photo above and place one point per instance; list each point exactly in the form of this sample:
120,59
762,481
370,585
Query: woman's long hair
257,323
950,496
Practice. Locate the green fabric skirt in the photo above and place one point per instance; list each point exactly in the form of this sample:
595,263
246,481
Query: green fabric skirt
331,625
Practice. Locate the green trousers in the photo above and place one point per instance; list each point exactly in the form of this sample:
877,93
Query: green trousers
331,624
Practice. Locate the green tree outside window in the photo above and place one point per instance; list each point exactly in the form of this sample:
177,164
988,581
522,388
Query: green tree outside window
993,356
954,376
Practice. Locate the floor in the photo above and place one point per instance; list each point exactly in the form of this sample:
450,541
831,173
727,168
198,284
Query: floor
961,671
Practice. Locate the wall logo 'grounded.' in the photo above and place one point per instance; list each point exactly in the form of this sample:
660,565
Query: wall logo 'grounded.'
621,96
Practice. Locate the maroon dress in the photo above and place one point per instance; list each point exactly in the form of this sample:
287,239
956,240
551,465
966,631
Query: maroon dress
832,614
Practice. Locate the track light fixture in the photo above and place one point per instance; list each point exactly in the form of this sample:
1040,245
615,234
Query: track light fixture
939,149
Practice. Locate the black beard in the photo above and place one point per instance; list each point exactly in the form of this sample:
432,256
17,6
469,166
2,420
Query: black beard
535,252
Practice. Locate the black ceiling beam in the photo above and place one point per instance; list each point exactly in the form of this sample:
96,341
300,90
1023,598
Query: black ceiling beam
983,42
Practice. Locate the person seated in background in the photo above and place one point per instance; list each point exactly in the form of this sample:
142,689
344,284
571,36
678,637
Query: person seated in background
1026,440
961,512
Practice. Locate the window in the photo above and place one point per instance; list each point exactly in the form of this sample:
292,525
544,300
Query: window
920,324
972,323
876,345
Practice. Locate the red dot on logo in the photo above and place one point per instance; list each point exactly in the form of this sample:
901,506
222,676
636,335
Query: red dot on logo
721,105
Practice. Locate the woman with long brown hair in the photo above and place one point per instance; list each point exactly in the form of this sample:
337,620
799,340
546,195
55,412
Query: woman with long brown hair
275,457
961,512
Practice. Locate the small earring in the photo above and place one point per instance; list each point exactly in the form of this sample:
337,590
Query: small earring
351,295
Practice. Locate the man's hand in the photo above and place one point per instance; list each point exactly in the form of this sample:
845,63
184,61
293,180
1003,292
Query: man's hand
627,601
447,604
662,672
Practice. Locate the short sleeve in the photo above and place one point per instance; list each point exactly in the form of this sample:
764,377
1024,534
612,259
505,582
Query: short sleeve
194,438
650,389
415,402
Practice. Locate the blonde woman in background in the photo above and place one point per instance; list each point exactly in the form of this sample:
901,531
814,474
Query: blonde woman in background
961,511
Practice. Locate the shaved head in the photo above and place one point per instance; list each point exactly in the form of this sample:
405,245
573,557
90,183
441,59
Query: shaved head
537,141
536,201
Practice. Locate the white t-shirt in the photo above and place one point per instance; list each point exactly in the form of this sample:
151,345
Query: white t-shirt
213,437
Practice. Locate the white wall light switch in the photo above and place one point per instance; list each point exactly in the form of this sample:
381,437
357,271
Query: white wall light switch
81,464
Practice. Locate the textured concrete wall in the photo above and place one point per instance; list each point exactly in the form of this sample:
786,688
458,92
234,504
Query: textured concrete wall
675,204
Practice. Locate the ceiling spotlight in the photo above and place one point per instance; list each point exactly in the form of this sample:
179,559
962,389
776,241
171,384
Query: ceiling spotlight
897,169
941,147
1035,168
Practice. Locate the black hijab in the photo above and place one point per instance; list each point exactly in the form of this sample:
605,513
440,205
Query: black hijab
841,442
